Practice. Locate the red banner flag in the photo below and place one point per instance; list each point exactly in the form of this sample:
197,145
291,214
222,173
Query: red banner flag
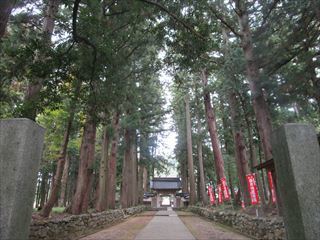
273,191
219,194
253,190
225,189
211,195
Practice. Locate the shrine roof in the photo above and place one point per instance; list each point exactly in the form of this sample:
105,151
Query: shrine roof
165,183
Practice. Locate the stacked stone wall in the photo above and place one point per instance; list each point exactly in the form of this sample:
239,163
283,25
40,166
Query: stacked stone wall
76,226
268,228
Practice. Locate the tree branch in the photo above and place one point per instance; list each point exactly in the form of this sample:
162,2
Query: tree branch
224,22
119,28
132,51
106,6
271,7
175,17
116,13
280,64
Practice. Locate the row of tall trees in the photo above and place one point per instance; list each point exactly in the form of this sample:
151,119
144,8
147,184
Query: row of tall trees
88,71
235,57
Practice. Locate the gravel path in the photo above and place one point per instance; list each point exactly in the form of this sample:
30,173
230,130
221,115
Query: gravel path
204,229
126,230
166,225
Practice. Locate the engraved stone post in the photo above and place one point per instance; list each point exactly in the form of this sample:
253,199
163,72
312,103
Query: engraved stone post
297,161
21,142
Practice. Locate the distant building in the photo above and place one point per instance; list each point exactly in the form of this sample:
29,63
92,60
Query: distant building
165,193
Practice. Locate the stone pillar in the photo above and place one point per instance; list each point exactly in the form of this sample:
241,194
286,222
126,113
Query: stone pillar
297,160
21,142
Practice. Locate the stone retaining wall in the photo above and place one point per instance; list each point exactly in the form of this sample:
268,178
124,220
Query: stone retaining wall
75,226
259,228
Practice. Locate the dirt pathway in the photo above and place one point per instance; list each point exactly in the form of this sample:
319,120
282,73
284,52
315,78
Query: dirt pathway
145,226
203,229
126,230
165,225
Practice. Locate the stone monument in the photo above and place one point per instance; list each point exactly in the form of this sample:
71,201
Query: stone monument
297,160
21,143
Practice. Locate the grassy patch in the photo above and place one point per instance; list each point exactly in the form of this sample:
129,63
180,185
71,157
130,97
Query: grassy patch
54,210
58,209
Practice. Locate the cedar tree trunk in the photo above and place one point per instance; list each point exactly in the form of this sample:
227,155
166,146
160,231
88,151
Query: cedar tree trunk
260,105
81,196
211,121
112,163
240,148
202,186
126,185
64,180
6,7
103,171
189,153
34,87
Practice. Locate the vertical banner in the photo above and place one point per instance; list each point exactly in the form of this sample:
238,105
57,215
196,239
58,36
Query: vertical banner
211,195
253,190
225,189
219,193
273,190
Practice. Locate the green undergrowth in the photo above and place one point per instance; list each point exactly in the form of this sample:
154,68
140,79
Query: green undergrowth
54,210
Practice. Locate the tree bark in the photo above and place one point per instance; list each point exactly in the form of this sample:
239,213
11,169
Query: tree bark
90,196
43,188
264,188
49,18
34,87
184,177
64,180
230,182
112,163
6,7
71,185
145,180
127,170
103,171
144,158
202,185
202,190
252,152
134,183
140,184
240,148
192,193
80,199
211,122
260,105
